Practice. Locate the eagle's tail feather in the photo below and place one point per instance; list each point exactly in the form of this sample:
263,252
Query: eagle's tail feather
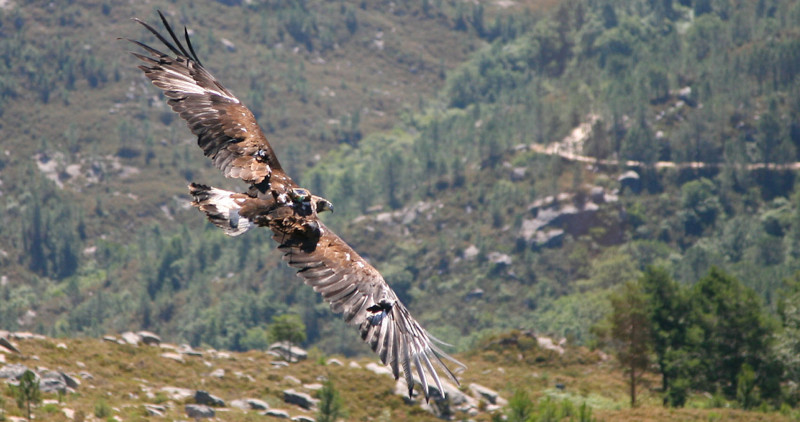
221,207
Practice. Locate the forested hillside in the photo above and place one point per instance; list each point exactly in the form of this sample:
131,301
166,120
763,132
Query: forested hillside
425,124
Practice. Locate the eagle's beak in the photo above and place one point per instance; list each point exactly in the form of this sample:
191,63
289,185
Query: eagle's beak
323,205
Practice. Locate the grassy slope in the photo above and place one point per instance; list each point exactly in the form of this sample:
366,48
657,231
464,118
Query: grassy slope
124,374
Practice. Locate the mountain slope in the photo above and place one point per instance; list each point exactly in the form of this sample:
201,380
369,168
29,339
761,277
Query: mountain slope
422,123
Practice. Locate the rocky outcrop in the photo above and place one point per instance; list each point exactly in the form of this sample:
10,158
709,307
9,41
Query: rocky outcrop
453,399
554,217
49,381
52,382
13,371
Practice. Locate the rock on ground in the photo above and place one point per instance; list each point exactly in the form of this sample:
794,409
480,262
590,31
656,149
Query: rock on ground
148,338
6,343
480,391
283,350
52,382
199,411
292,380
174,356
301,399
277,413
13,371
71,381
204,397
131,338
379,369
257,404
177,394
155,410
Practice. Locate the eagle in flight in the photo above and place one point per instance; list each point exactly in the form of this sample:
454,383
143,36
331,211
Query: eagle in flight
229,134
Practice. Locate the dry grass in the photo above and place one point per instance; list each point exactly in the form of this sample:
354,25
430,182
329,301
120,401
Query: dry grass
127,377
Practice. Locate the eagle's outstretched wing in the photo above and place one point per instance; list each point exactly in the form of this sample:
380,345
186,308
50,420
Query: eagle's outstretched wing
356,289
226,130
229,134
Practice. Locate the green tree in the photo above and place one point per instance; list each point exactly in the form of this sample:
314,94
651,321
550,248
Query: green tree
331,407
699,205
787,341
630,329
27,392
627,331
669,320
288,328
255,338
735,332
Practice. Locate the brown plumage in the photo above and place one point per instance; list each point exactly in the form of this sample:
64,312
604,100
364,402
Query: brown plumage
228,133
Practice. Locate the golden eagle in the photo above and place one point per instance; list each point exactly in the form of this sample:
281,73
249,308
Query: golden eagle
229,134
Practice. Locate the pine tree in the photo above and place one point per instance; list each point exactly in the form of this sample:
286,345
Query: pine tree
288,328
669,319
331,407
735,332
628,332
27,392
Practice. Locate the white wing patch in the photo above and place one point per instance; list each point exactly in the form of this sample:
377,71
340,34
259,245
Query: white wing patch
228,207
188,85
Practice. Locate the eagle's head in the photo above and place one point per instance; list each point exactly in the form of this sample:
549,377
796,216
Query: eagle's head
321,204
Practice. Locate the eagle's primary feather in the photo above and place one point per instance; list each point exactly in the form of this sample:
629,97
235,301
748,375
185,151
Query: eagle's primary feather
228,133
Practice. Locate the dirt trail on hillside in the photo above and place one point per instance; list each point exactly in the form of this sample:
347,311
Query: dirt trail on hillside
570,146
